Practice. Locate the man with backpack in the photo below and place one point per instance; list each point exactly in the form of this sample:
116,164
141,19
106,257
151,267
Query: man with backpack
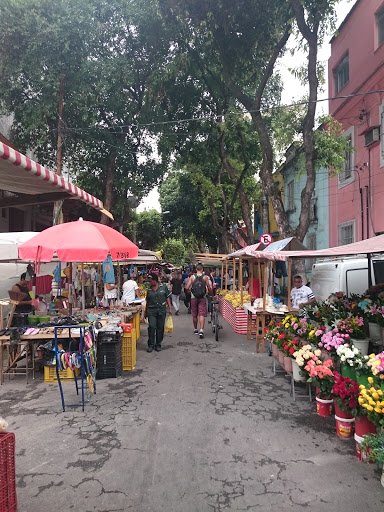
198,285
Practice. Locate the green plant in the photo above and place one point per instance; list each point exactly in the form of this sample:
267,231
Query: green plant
373,444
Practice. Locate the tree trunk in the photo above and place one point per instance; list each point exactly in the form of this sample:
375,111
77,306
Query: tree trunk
108,198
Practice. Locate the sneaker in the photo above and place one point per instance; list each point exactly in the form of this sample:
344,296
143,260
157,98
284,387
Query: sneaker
201,334
158,348
195,331
150,349
177,312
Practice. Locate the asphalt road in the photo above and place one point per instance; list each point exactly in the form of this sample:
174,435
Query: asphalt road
200,427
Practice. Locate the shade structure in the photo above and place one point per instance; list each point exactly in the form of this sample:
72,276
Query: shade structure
80,241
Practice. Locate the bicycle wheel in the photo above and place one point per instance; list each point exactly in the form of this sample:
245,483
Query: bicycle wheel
217,326
213,321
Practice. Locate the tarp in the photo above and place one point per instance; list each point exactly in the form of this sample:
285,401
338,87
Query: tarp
374,245
9,243
287,244
21,175
246,251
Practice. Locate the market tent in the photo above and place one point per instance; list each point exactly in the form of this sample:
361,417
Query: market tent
246,251
9,244
374,245
35,184
144,257
286,244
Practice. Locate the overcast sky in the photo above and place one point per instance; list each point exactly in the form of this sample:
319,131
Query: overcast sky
293,90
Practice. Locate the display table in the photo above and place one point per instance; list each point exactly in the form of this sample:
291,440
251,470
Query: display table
236,317
17,350
257,321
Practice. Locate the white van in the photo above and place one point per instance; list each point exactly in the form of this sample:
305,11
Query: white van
348,275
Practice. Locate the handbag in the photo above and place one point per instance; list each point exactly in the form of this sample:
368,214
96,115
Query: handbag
169,325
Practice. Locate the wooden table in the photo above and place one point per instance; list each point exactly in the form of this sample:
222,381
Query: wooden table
27,345
257,321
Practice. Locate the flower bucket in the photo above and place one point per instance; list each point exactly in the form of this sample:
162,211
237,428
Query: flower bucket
364,426
362,345
296,373
324,407
344,427
348,371
374,331
275,350
281,358
361,454
288,364
342,414
363,379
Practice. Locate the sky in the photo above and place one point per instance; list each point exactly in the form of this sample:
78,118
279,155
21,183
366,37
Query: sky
293,90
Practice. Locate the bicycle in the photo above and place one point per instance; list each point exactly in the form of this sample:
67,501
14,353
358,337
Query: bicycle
215,319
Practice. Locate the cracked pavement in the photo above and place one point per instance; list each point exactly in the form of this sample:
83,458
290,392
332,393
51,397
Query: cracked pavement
200,427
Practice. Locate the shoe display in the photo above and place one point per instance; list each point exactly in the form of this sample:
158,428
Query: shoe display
150,349
158,348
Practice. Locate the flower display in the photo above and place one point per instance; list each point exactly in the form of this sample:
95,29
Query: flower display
289,347
376,364
321,373
354,326
346,393
350,356
332,340
304,354
371,401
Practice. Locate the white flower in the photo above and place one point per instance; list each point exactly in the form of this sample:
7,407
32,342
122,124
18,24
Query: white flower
342,358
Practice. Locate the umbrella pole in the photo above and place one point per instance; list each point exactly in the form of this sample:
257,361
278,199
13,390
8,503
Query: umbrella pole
82,289
70,296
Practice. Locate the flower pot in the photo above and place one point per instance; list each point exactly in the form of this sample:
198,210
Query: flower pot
361,345
348,371
374,331
281,358
288,364
342,414
360,453
344,427
275,350
364,426
296,373
324,407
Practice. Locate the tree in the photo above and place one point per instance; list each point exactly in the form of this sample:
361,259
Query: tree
174,251
247,38
147,229
95,60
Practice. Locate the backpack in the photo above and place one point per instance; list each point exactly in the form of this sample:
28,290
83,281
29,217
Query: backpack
199,288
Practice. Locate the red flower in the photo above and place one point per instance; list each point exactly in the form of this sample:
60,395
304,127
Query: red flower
281,336
292,350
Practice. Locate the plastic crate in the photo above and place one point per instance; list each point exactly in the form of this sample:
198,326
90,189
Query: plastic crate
66,375
109,360
8,499
128,351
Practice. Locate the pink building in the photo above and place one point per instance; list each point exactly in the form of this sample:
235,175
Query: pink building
356,75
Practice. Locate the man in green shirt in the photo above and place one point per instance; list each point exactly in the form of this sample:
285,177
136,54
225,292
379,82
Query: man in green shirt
158,298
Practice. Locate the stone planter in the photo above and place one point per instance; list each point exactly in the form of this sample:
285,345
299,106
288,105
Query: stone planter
374,331
288,364
361,345
296,372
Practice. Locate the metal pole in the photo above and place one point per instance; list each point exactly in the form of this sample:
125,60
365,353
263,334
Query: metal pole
82,289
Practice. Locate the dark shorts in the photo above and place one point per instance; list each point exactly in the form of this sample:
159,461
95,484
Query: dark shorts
199,307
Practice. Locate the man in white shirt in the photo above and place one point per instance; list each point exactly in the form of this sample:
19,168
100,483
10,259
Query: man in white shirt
301,295
130,290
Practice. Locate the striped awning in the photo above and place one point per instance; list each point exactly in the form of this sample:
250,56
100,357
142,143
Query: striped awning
21,175
246,251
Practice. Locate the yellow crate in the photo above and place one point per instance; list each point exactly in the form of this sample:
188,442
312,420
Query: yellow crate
67,374
128,350
136,323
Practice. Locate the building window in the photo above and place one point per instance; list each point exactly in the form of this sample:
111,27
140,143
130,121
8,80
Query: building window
291,197
347,175
380,26
347,233
341,74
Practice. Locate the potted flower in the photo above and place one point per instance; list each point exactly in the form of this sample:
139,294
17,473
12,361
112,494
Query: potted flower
376,365
371,409
373,446
353,364
289,347
272,331
332,340
321,373
345,392
355,327
301,357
